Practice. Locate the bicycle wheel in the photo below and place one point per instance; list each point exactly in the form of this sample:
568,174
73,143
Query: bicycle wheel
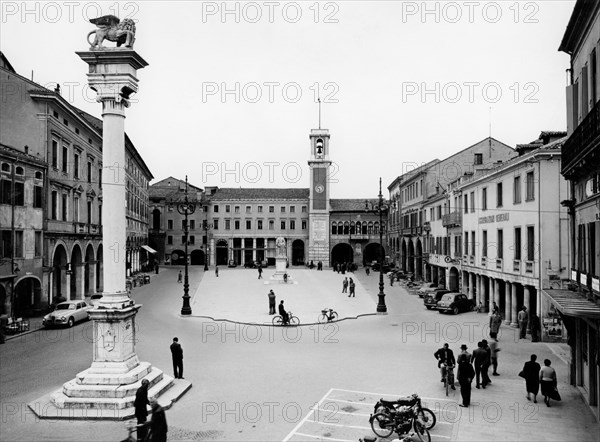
382,425
334,316
294,320
421,432
322,318
277,320
427,418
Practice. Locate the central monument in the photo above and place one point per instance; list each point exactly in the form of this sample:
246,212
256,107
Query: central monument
281,275
107,389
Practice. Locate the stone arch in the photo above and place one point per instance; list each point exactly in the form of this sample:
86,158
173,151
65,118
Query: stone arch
419,260
27,297
372,253
59,272
222,251
76,279
453,279
298,252
342,252
197,257
411,257
89,276
99,268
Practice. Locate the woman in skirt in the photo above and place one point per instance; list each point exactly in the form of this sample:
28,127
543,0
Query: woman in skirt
548,382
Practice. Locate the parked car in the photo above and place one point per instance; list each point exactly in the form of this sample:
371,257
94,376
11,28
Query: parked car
67,313
455,303
428,287
95,298
431,299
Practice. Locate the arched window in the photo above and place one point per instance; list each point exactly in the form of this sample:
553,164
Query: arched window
358,228
370,228
5,167
352,228
19,170
38,175
376,228
346,228
334,228
364,228
340,228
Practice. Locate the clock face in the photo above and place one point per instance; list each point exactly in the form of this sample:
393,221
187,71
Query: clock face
319,188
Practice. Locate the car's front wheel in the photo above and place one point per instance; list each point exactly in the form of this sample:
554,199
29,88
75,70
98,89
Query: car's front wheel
428,307
455,310
71,322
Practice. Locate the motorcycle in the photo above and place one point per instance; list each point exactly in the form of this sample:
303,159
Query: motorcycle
424,415
401,420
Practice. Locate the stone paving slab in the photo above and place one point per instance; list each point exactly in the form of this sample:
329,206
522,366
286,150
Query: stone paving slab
314,291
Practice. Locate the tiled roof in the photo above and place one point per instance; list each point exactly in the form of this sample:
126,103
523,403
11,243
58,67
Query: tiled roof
169,187
230,193
349,205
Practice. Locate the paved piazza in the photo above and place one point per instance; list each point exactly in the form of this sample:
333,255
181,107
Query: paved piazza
254,382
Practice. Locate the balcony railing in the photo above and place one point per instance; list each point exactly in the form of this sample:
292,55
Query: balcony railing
483,261
453,219
471,260
529,266
498,263
516,265
582,141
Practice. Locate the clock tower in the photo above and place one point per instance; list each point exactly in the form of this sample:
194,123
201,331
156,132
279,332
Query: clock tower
318,211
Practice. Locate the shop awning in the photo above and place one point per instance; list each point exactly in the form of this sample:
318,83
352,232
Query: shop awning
149,249
573,303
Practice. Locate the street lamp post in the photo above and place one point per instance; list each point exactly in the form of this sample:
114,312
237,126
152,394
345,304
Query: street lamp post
381,207
186,208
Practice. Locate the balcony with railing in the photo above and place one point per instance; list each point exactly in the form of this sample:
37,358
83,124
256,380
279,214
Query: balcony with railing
453,219
516,265
499,263
529,266
582,144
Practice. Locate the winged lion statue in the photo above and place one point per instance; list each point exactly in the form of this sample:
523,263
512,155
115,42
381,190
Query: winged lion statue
112,29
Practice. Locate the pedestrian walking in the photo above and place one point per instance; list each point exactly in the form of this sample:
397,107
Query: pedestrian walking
217,271
465,377
156,269
494,354
522,318
495,308
534,327
352,288
345,285
179,277
548,383
158,423
141,409
391,279
367,270
495,323
531,374
177,355
478,358
259,272
272,302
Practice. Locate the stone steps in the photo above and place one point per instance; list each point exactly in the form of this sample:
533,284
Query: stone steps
74,388
105,397
136,374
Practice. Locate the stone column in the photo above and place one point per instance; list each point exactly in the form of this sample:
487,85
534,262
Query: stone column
478,288
492,296
467,282
253,249
514,307
80,280
526,303
497,292
507,303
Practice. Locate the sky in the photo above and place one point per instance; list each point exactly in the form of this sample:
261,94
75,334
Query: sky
230,93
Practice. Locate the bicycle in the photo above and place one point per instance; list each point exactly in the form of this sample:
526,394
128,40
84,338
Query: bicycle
293,320
328,317
132,428
448,377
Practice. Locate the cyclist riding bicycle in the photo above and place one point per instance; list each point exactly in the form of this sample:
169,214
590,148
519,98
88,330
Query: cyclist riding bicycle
445,358
284,315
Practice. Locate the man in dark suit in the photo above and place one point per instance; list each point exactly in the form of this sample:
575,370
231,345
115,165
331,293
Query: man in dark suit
284,315
478,359
177,354
158,423
141,410
445,356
